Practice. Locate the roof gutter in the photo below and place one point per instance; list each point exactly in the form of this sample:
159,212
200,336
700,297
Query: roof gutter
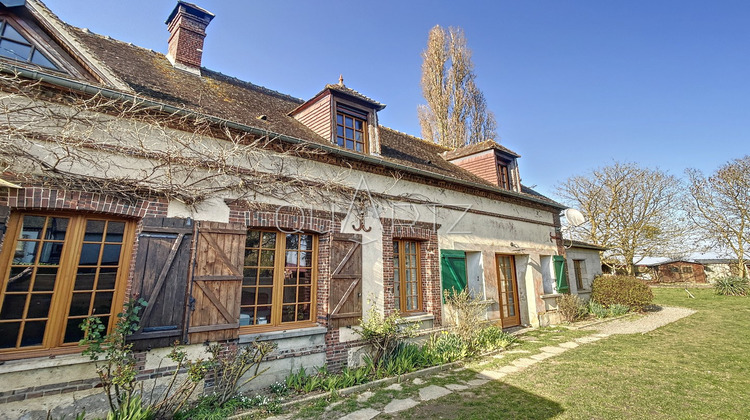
113,94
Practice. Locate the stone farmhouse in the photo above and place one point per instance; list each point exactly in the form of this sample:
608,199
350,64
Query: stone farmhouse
239,213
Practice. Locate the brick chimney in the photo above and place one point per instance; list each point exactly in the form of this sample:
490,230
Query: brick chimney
187,28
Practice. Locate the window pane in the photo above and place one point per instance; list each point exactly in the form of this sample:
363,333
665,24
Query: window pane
94,230
107,278
339,131
32,225
14,50
25,252
292,241
305,259
73,330
251,257
45,279
266,277
349,133
358,125
266,258
111,255
51,252
9,334
40,59
264,315
287,313
304,294
39,305
33,333
290,276
359,147
291,258
79,304
269,240
248,297
20,279
56,228
306,242
290,294
10,32
85,278
252,240
339,119
349,144
115,230
349,122
13,307
89,254
303,312
102,303
250,277
264,295
305,277
340,141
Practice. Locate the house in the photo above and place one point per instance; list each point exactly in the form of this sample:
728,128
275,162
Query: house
673,271
239,213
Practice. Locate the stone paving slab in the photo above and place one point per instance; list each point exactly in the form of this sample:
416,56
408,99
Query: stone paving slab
569,345
399,405
542,356
394,387
363,414
517,351
601,335
587,339
524,362
457,387
509,369
552,349
433,391
492,374
365,396
418,381
477,382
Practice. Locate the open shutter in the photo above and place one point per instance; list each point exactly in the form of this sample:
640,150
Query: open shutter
561,274
453,270
217,282
160,277
346,280
4,213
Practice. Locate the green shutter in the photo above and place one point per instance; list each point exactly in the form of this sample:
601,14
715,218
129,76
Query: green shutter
453,270
561,274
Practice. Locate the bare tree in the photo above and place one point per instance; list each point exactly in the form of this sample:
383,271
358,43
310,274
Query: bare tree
634,212
720,207
456,111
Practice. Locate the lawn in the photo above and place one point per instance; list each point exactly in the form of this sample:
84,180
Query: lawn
697,367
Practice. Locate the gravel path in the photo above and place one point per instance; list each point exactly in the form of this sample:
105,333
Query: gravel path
651,321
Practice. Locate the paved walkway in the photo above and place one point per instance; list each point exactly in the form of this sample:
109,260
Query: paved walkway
644,324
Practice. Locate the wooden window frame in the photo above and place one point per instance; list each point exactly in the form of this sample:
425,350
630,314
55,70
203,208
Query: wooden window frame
277,297
503,173
577,269
399,274
62,294
347,111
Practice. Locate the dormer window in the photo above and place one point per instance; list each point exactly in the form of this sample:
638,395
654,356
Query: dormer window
351,128
504,175
17,47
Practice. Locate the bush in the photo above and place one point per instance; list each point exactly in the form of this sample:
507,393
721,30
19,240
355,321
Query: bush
617,309
621,290
732,286
492,338
571,308
596,309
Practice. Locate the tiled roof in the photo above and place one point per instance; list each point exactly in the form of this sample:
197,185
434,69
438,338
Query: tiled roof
478,148
581,244
151,75
349,91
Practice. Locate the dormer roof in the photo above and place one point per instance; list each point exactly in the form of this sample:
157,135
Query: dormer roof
473,149
341,90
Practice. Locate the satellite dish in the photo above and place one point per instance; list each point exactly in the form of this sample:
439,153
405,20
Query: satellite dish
575,218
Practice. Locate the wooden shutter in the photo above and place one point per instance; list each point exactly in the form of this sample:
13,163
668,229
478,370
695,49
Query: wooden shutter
162,266
453,270
346,280
217,282
561,274
4,212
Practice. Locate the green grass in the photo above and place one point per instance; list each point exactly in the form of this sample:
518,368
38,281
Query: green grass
695,368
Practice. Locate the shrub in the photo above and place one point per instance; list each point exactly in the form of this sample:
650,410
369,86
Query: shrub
467,314
617,309
732,286
492,338
596,309
622,290
571,308
384,333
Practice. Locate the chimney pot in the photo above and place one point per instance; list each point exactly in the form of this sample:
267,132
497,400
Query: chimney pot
187,29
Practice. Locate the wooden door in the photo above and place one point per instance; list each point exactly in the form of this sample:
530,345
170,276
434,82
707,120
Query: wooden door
346,280
508,291
162,267
217,282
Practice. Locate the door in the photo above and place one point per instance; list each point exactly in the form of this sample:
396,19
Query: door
508,290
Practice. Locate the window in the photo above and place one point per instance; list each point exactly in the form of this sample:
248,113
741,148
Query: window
579,267
502,168
17,47
407,276
279,279
687,270
351,128
60,269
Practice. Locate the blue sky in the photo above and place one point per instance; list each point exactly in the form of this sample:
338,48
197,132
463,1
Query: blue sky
574,85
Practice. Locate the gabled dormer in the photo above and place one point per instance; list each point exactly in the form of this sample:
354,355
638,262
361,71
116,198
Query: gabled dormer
490,161
33,38
344,116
